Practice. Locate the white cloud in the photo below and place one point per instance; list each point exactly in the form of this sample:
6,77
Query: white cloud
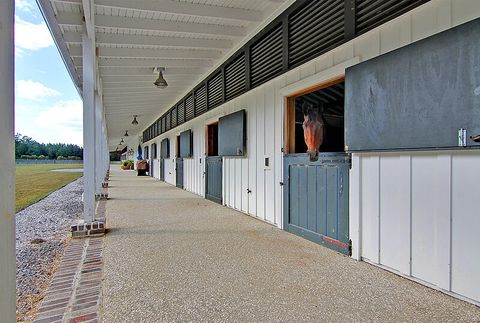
30,36
31,90
25,5
61,122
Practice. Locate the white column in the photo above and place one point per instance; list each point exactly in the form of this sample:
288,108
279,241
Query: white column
7,160
88,126
99,174
105,143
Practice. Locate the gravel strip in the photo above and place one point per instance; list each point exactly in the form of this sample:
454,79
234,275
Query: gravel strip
41,238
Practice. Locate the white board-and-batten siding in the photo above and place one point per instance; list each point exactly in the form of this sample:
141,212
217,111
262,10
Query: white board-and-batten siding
413,213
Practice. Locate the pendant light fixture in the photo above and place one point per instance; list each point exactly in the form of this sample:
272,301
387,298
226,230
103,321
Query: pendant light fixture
121,142
135,122
160,83
126,133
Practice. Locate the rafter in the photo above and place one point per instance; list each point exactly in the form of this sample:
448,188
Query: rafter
129,71
108,86
76,51
72,19
180,8
144,78
141,40
133,62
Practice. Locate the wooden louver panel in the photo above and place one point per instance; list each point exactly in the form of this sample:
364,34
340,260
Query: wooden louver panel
180,113
167,122
372,13
162,124
200,100
174,117
235,77
266,57
315,28
215,91
189,108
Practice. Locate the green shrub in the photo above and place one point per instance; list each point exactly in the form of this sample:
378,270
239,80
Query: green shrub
127,163
41,157
25,157
61,158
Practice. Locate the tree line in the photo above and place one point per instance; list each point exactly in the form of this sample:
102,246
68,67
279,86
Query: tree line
27,148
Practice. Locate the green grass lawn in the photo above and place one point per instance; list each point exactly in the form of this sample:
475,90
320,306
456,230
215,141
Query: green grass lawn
34,182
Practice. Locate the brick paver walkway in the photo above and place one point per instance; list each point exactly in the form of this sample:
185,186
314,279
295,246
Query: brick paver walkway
75,292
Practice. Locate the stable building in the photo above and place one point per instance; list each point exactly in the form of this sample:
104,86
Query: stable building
393,86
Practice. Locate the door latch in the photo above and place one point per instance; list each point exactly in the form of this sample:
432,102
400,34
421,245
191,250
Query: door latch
281,183
249,191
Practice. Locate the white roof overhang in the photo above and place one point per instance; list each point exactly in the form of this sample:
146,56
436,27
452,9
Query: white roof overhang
190,38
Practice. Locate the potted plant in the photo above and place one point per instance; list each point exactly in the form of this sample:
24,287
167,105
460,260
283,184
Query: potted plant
127,165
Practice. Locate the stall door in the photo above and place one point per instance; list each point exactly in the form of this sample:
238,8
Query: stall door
162,169
316,199
213,170
179,172
152,167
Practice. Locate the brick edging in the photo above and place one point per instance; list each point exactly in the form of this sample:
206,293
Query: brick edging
75,292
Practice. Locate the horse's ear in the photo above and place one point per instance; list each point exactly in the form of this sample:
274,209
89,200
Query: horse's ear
306,107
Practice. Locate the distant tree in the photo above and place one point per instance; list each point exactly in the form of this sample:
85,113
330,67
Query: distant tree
26,146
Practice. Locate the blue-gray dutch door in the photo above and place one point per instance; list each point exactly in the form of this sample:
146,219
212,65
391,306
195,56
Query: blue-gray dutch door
179,172
213,174
316,199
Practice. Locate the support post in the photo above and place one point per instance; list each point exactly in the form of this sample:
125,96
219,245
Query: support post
7,160
88,127
99,174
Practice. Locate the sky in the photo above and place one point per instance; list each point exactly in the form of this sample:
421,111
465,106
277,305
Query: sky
48,108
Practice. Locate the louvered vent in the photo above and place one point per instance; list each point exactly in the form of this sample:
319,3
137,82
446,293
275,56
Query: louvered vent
162,124
235,77
315,28
181,113
167,122
266,57
200,101
174,117
215,91
372,13
189,108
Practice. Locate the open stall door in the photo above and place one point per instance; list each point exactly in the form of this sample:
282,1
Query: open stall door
213,166
316,168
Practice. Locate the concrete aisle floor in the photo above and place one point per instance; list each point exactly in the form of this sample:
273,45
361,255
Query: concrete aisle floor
173,256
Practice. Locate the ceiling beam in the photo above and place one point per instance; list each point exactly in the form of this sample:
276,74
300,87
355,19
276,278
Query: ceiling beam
172,83
129,71
76,51
133,62
139,90
180,8
137,101
141,40
145,78
75,19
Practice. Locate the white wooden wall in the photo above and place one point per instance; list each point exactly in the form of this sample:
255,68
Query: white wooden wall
403,209
420,216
